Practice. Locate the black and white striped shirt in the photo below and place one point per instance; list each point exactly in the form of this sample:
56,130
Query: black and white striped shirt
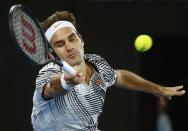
80,108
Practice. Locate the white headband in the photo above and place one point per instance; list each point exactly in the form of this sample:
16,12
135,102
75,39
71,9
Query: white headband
56,26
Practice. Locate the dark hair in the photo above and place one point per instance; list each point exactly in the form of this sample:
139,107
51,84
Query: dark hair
58,16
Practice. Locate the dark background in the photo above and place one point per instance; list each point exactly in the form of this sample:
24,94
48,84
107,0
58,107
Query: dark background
108,28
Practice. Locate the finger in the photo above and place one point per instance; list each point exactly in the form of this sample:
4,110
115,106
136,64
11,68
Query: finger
179,93
78,74
178,87
169,97
50,56
162,101
74,79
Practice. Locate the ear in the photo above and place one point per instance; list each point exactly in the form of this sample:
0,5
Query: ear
50,56
79,35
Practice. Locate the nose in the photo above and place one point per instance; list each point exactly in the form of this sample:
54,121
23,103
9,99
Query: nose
69,46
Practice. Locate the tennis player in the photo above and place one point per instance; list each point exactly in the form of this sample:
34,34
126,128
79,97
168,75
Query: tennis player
65,102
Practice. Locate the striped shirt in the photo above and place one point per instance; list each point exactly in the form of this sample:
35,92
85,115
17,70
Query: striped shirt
79,109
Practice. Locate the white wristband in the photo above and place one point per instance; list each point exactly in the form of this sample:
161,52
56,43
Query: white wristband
64,84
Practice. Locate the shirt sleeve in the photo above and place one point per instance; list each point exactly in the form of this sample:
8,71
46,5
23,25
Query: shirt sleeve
107,73
45,75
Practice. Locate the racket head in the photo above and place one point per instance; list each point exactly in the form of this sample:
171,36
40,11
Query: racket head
28,35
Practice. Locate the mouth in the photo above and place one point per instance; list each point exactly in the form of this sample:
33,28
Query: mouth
73,54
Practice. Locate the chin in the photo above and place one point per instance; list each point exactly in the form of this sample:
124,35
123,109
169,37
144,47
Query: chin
74,62
77,60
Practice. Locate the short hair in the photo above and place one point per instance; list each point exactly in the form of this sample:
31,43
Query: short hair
58,16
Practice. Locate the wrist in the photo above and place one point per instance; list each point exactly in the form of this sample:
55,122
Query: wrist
160,90
64,85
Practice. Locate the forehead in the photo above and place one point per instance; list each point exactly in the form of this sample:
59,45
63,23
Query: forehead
62,34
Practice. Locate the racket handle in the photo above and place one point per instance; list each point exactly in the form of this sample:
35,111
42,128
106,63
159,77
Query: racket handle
67,68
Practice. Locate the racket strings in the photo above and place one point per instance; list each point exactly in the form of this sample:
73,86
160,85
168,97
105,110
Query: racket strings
28,36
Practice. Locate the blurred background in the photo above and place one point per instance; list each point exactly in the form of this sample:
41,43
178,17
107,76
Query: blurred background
109,28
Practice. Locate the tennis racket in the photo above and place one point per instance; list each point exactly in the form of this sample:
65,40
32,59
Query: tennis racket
29,37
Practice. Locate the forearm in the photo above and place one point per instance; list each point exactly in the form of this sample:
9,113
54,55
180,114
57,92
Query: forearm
61,84
127,79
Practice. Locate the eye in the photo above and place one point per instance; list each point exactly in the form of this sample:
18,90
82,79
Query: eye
72,38
59,44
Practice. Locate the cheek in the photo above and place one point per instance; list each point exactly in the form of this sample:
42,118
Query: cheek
82,50
59,52
81,46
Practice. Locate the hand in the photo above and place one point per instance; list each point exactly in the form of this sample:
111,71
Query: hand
173,91
168,92
73,79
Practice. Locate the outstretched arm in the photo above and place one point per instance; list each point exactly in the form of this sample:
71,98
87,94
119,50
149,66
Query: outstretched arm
54,87
129,80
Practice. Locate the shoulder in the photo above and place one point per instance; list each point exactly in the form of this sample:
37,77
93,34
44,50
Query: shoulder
95,60
98,62
103,68
93,57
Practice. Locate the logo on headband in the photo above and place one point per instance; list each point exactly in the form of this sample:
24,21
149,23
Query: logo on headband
56,26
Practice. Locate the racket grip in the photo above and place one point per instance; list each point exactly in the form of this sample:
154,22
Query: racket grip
67,68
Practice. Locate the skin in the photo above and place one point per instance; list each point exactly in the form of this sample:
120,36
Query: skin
69,46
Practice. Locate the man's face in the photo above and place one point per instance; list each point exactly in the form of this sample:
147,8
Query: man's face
68,46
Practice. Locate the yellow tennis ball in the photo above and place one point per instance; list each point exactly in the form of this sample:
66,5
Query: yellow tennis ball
143,43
